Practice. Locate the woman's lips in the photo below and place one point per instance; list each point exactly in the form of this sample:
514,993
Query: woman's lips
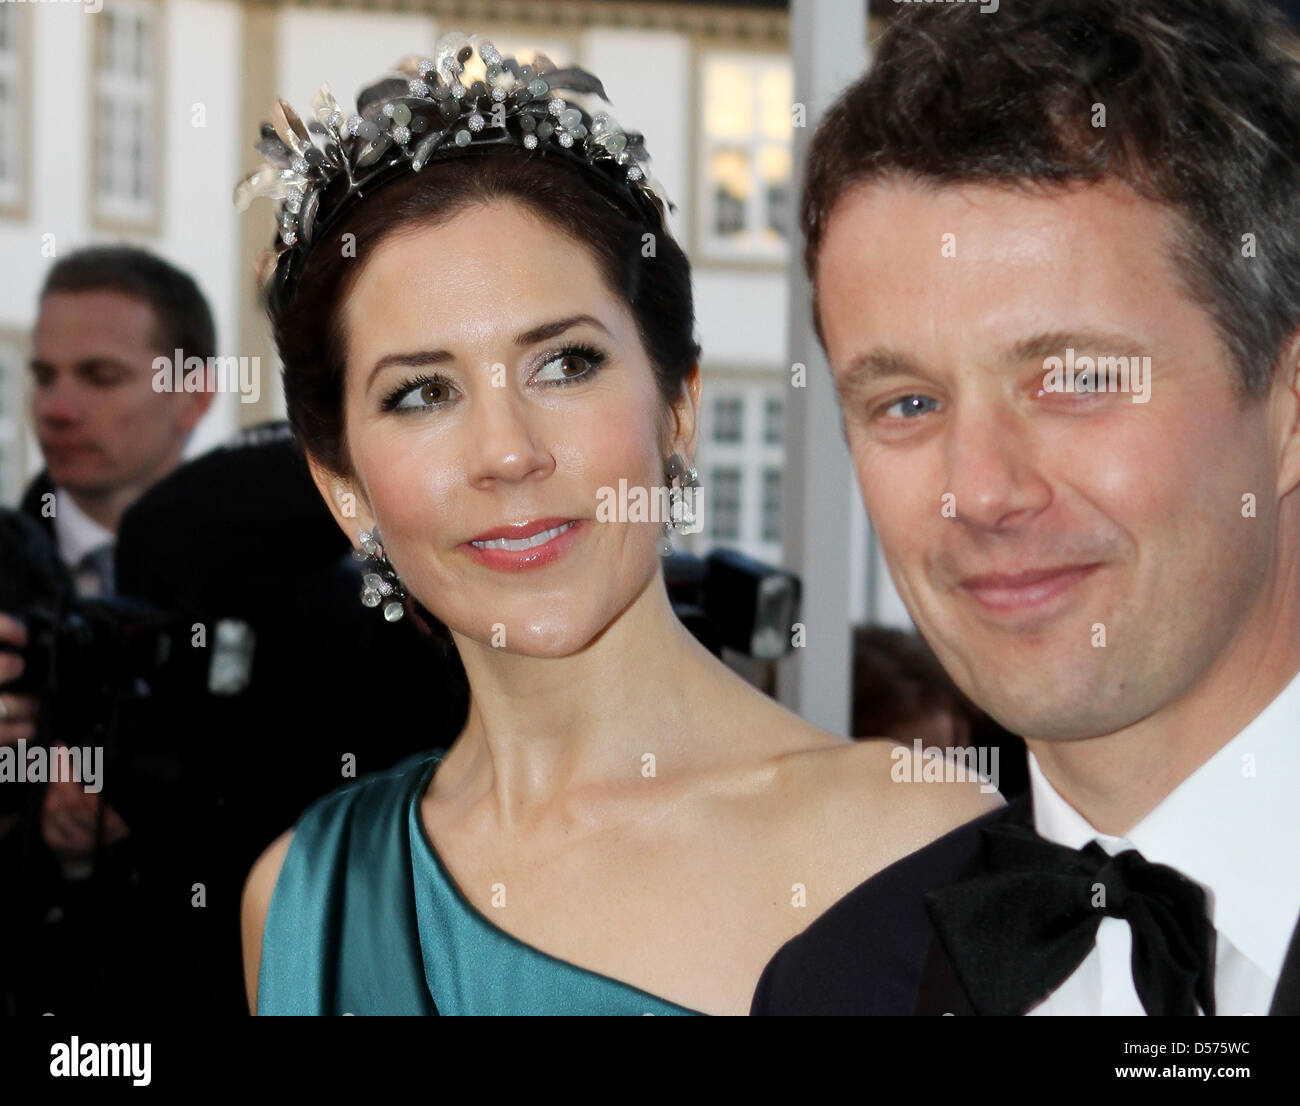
1025,592
536,548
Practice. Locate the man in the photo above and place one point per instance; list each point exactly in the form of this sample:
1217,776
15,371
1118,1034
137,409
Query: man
107,435
1056,260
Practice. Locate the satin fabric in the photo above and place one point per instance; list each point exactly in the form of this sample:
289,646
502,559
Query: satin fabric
366,919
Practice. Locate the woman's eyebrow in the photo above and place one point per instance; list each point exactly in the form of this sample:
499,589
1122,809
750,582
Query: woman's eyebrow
441,356
550,330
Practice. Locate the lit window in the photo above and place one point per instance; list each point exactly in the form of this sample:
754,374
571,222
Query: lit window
746,195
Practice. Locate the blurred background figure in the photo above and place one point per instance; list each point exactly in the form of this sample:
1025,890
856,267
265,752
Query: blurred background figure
105,432
901,692
107,435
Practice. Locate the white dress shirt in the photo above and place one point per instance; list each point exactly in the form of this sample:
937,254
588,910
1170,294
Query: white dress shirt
1233,826
77,534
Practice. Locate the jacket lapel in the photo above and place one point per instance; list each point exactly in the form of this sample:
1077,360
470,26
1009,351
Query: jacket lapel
940,990
1286,999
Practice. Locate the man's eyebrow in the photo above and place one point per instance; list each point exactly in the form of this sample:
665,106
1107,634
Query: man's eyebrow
883,362
1054,343
441,356
37,363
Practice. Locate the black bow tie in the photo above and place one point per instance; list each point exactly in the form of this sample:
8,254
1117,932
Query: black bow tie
1018,931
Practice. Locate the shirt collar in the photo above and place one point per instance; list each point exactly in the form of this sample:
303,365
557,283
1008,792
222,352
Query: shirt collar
75,531
1233,826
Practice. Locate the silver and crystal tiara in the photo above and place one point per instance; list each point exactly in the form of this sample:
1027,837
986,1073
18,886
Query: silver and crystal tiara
429,109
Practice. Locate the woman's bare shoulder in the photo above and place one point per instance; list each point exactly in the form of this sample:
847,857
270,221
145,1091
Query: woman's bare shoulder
870,802
254,905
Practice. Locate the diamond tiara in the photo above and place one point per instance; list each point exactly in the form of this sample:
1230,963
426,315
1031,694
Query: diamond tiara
432,109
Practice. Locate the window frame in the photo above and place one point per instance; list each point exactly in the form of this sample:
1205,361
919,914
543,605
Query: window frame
752,456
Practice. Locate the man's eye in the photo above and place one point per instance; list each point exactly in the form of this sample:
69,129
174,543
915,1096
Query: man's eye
1083,384
905,407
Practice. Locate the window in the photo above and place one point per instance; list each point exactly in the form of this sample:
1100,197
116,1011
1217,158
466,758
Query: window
125,153
740,463
771,520
728,417
12,138
774,420
724,513
746,193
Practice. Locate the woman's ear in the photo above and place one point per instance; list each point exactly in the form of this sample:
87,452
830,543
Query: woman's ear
349,508
686,414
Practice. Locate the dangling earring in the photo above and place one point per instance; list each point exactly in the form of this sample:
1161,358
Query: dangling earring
684,502
683,513
379,581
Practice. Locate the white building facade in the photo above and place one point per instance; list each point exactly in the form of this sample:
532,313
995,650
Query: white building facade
133,122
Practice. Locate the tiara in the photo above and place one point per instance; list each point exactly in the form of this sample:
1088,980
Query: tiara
430,109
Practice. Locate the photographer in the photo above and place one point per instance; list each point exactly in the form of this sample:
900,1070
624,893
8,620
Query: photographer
107,436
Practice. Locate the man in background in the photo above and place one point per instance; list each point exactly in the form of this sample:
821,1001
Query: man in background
107,435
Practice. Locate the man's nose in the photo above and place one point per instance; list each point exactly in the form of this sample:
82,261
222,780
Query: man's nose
992,469
59,401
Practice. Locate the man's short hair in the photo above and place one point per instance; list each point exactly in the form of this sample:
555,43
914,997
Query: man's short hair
1201,104
182,318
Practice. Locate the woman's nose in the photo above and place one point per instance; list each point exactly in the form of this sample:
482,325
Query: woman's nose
504,439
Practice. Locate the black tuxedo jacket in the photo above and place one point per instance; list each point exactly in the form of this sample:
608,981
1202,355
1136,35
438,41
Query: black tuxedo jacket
876,952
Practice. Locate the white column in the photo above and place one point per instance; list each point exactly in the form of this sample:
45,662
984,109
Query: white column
828,45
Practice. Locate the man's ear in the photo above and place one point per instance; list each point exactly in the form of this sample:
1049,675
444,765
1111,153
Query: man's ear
1285,401
349,507
686,415
196,406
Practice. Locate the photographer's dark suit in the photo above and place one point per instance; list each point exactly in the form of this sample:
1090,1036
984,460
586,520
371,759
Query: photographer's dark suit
85,939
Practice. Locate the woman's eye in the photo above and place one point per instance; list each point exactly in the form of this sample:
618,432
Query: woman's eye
566,366
427,393
907,406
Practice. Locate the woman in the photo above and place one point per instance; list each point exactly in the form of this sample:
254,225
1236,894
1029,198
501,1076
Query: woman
623,825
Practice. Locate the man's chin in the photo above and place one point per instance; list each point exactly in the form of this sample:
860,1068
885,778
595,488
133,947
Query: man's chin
76,480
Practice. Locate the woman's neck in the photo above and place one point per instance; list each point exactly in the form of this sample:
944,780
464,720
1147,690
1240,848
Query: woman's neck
542,729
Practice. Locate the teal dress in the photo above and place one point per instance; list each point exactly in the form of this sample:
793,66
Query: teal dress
365,919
